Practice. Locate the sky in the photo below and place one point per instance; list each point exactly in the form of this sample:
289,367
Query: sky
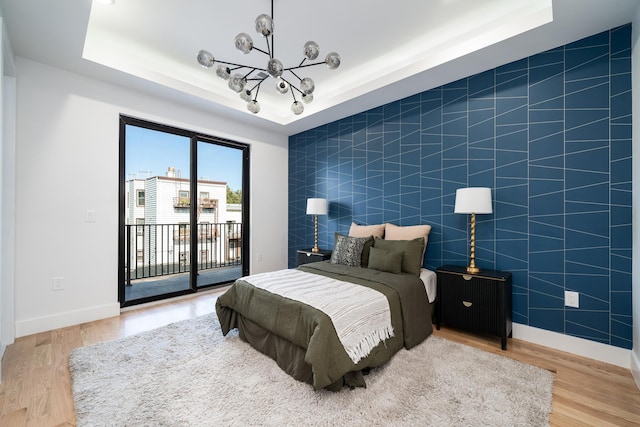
150,153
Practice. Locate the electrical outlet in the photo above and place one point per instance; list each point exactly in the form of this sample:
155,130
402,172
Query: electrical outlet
90,216
572,299
259,257
57,283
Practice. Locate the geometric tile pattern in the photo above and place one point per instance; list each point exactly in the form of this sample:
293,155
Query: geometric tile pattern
550,134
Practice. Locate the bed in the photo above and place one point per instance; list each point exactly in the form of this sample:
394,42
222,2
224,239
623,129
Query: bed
328,323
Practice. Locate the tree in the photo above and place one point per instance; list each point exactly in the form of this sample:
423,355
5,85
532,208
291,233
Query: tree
234,196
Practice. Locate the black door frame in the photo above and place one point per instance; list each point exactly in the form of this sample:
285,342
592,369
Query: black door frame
195,137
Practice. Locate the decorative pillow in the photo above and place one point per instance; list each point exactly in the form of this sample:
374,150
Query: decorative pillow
348,250
410,232
411,249
382,260
364,259
366,231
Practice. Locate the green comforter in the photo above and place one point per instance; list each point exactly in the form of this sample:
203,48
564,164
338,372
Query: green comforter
312,330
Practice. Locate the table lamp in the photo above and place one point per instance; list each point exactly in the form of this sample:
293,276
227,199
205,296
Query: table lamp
316,207
473,200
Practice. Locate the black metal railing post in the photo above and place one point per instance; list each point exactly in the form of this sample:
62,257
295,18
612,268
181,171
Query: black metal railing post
128,256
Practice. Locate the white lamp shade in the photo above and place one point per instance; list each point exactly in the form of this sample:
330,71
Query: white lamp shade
473,200
316,206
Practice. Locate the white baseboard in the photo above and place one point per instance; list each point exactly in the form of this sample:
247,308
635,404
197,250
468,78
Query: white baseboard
635,368
69,318
580,346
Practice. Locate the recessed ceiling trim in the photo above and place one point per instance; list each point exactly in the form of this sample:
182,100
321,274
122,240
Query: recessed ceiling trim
106,44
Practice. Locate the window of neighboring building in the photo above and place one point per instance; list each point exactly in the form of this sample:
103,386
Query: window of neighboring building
183,194
140,197
140,226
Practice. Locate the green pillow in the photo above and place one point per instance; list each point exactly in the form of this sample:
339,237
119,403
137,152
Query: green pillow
368,244
411,249
382,260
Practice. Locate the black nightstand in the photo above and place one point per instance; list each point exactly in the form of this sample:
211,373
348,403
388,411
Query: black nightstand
478,302
306,256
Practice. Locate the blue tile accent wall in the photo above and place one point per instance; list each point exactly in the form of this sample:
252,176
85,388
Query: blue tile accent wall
550,134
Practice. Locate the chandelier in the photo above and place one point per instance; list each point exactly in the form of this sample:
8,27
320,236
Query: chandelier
238,76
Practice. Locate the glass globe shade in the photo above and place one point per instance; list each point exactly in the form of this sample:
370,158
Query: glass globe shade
244,43
253,106
297,108
311,50
223,72
246,95
264,25
282,86
307,98
275,68
237,82
332,60
205,59
307,85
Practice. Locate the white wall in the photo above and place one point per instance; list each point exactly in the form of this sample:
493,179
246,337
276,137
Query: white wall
67,163
7,189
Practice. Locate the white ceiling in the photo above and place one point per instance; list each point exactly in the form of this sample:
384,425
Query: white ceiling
389,49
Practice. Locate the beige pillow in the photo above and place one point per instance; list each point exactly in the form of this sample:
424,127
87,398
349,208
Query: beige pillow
409,232
366,230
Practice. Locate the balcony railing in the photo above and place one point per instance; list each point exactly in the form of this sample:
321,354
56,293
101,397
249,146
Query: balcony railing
162,249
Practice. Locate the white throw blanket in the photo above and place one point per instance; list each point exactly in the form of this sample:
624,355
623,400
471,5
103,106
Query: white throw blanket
360,315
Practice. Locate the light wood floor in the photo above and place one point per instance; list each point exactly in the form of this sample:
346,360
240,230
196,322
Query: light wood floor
35,388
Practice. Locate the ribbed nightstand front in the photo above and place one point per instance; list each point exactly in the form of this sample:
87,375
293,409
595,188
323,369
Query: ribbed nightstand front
479,302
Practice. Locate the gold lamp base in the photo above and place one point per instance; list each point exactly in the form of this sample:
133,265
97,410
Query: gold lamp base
472,262
315,234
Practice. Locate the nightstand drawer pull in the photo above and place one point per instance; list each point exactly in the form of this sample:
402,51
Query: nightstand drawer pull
467,276
467,303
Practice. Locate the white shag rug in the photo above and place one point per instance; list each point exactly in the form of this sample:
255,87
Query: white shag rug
188,374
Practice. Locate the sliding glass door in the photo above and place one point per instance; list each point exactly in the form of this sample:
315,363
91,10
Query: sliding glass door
219,214
184,210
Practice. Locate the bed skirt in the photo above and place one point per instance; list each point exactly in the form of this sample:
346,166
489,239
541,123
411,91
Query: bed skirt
290,357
